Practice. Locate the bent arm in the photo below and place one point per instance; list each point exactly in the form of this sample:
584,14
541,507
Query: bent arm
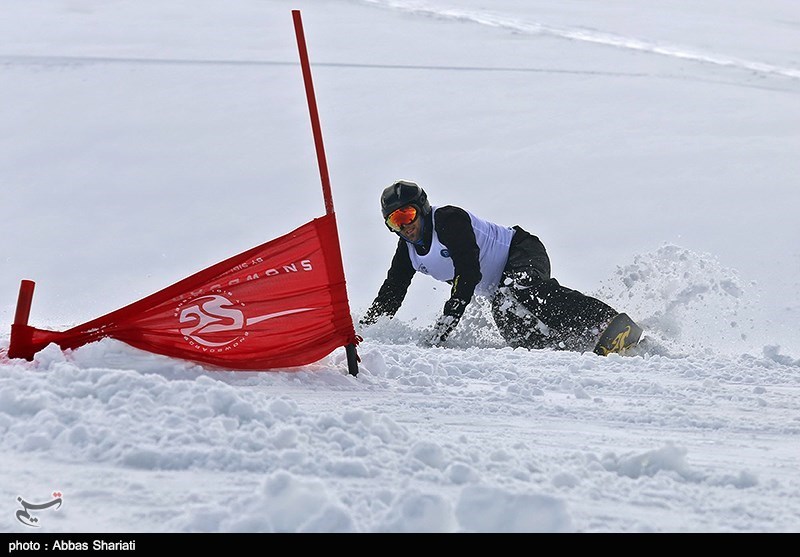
454,228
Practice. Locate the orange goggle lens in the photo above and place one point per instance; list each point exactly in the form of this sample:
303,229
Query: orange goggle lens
401,217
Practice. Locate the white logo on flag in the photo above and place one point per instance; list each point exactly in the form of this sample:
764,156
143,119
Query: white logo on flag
215,313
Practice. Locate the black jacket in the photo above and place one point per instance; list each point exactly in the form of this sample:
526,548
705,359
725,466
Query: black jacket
454,228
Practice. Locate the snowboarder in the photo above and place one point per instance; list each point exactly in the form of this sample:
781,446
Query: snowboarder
509,266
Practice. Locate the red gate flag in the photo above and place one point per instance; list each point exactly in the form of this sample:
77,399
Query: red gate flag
281,304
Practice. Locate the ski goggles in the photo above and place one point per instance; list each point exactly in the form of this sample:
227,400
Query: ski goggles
401,217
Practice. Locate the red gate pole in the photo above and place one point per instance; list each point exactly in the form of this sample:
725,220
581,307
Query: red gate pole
19,345
350,349
312,109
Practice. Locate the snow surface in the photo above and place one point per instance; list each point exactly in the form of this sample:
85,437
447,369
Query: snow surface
652,146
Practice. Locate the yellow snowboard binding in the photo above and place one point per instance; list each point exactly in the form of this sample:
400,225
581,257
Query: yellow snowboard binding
620,335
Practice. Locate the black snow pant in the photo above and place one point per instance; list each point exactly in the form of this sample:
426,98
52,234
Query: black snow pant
532,310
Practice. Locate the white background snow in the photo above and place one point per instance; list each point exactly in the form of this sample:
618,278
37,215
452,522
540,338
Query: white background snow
653,147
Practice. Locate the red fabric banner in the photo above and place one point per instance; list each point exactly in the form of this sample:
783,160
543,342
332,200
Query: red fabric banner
281,304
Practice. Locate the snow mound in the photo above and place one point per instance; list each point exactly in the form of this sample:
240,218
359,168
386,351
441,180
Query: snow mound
686,301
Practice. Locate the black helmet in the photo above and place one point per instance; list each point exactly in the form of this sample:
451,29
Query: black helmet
403,193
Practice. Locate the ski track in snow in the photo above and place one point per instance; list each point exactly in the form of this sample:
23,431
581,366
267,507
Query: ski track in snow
585,35
478,17
80,61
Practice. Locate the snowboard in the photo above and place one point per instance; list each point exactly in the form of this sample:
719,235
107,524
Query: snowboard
621,335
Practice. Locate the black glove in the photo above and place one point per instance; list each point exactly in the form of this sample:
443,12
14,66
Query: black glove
453,310
370,317
437,335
